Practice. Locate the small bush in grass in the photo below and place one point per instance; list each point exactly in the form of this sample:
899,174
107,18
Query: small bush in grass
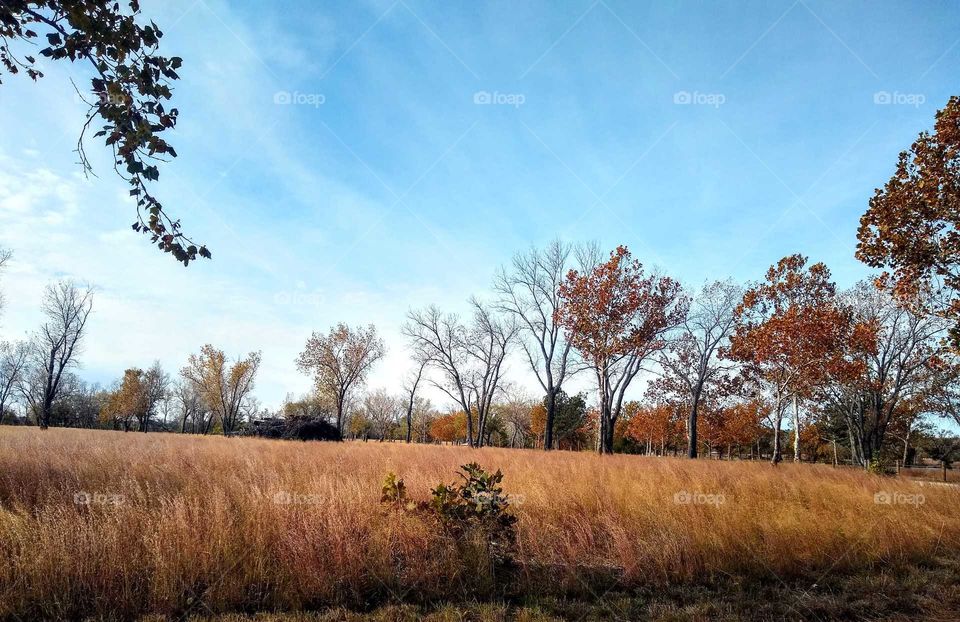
394,492
474,513
478,506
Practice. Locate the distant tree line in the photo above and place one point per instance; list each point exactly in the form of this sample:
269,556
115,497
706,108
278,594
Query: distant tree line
788,365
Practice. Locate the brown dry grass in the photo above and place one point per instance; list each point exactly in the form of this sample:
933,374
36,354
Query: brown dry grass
196,527
931,475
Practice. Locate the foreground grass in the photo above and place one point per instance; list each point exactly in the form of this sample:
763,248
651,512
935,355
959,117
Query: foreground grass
178,526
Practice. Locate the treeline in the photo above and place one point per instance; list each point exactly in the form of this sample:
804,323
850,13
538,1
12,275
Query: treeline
787,365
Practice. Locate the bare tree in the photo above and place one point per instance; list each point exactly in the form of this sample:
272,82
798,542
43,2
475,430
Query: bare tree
516,410
488,344
423,418
410,386
55,347
438,341
470,358
191,408
156,385
528,291
14,359
340,361
895,369
381,410
166,408
692,360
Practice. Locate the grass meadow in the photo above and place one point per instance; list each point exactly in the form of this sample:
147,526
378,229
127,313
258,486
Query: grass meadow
117,526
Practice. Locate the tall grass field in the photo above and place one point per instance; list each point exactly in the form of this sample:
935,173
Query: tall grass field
116,526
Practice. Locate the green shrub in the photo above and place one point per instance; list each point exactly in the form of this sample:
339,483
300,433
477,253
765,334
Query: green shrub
474,514
394,490
478,503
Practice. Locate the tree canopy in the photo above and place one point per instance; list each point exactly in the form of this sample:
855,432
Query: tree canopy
912,225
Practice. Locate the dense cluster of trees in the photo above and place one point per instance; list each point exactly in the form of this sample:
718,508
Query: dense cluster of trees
786,365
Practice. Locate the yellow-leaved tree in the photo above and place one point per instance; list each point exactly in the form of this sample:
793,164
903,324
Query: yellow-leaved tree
224,386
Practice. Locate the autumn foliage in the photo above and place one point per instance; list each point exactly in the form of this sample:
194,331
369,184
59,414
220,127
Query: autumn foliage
912,225
450,428
789,333
616,316
654,427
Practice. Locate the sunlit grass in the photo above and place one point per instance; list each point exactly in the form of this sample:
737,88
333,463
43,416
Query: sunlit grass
104,523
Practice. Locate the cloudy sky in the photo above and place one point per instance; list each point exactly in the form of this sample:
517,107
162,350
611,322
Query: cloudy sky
348,161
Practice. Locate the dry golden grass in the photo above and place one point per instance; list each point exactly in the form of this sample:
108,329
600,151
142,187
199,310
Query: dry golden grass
931,475
182,523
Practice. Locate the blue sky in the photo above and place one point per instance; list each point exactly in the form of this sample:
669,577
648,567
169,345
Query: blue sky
351,160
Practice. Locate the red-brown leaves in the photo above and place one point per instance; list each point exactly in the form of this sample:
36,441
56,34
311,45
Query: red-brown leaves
659,423
616,310
912,225
790,328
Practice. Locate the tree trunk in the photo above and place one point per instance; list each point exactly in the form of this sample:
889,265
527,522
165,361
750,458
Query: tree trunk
340,419
548,428
777,420
409,423
605,433
469,428
796,429
46,413
608,437
692,427
906,443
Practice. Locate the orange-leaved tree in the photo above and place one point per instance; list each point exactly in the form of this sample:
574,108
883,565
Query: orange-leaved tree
450,428
743,423
912,225
789,330
655,426
617,316
127,401
136,398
